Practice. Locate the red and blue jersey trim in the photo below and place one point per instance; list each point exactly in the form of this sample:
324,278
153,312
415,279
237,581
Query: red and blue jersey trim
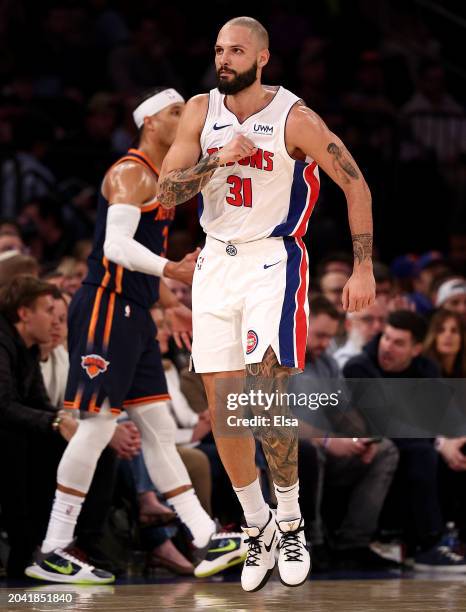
292,333
303,198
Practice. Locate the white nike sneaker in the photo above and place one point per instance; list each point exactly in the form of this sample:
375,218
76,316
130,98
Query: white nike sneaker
260,559
225,550
294,561
62,566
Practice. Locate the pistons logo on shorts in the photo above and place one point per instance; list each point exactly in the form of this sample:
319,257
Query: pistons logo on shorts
251,342
94,365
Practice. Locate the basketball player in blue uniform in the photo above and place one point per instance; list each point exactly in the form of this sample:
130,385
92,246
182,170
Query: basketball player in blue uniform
254,152
115,360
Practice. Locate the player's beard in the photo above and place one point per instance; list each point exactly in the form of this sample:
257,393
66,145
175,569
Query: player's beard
240,81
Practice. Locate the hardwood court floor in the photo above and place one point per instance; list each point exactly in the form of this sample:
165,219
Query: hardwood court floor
316,595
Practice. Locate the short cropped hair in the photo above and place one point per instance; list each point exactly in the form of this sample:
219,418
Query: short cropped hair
23,291
255,26
409,321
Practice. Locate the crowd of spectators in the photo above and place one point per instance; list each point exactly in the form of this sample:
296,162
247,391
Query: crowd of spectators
65,110
65,116
397,488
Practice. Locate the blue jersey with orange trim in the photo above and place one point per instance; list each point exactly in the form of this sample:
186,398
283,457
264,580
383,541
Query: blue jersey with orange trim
152,232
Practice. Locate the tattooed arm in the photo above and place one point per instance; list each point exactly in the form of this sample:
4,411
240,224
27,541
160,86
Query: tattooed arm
183,175
307,135
180,186
184,153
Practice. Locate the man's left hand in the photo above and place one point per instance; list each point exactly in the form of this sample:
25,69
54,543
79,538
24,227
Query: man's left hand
359,291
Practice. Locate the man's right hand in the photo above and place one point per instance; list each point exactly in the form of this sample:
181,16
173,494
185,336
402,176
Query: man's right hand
238,148
182,270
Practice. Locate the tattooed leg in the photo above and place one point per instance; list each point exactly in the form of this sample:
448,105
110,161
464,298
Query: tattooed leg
279,442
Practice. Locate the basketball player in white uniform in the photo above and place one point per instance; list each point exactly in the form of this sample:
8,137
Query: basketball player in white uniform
253,151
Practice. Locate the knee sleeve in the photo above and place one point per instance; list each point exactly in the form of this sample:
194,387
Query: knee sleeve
78,463
157,428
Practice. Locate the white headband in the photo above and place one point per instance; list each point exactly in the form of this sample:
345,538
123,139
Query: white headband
155,104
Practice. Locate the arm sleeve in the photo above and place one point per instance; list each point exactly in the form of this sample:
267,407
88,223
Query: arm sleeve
14,414
184,436
120,246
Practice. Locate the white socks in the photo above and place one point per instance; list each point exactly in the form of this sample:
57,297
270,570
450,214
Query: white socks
256,511
287,502
190,511
65,512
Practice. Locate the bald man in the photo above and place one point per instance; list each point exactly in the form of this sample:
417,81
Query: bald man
253,152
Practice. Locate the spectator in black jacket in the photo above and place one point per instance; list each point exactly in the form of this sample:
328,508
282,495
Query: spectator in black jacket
30,426
27,318
33,432
396,353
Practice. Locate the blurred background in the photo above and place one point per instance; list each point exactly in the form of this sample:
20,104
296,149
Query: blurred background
387,76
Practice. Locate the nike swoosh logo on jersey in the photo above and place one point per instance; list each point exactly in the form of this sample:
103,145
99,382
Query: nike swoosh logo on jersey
270,265
220,127
267,548
67,569
227,548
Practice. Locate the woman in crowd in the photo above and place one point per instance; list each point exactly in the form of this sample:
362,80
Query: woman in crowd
446,345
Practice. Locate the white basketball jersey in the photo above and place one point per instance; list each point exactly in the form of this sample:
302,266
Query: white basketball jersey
267,194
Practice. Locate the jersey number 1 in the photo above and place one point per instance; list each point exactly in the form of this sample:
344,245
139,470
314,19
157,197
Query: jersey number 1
240,191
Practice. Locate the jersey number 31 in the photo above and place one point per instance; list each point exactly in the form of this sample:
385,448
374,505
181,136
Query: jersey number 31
240,191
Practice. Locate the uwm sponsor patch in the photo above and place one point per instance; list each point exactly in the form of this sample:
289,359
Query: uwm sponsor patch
263,128
94,365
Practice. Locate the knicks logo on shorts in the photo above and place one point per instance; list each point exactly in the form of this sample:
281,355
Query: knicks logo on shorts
251,342
94,365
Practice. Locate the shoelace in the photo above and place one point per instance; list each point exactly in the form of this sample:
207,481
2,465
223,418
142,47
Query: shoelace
254,550
445,551
75,558
292,545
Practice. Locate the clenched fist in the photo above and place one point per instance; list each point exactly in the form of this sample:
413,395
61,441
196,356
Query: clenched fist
238,148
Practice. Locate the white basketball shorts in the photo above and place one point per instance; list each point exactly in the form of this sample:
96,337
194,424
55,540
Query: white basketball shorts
247,297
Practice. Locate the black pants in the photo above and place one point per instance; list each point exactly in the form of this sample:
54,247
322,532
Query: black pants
413,502
308,473
27,486
452,487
